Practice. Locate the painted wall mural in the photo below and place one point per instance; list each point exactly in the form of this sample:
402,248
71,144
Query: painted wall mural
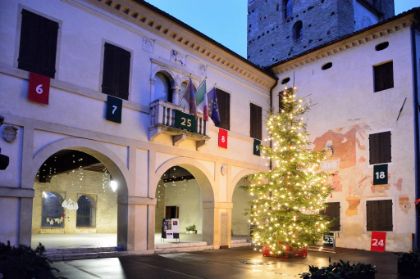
347,161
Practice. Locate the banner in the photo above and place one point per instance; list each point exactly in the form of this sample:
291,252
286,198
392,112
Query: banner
223,138
113,109
39,88
378,242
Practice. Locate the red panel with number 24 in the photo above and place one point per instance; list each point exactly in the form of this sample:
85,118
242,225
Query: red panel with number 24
39,88
378,241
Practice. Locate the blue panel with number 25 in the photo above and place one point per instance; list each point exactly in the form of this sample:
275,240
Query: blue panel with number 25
113,109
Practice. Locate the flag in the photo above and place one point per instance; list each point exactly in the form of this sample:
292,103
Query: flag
214,107
191,97
202,100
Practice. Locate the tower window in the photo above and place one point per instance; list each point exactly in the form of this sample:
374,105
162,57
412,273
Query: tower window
383,76
297,30
287,8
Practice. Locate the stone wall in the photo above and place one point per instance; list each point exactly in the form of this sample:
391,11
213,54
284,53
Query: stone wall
270,31
72,185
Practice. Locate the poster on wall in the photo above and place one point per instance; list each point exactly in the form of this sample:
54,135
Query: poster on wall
113,109
380,174
378,242
223,138
256,148
328,240
170,228
39,88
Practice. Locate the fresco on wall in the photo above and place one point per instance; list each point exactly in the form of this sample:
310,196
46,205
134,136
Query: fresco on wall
347,162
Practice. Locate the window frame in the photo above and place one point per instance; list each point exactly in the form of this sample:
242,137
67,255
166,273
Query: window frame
382,85
55,68
380,227
102,72
224,119
376,152
324,212
255,128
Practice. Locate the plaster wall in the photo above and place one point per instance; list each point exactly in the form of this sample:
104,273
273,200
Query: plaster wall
345,110
72,185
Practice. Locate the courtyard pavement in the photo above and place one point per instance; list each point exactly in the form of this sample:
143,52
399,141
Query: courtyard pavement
231,263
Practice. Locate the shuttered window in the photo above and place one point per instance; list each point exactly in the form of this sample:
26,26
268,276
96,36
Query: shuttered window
255,121
281,104
379,215
116,71
380,148
223,99
383,76
332,211
38,44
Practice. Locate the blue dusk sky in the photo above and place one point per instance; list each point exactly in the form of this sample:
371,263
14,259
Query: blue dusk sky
225,20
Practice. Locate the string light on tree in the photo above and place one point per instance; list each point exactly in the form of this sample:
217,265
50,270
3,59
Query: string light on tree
289,197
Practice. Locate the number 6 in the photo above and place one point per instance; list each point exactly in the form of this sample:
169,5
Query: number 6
38,89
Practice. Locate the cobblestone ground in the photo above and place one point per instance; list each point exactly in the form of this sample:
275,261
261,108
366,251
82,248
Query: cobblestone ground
229,263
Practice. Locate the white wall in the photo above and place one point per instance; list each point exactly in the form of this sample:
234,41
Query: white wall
345,108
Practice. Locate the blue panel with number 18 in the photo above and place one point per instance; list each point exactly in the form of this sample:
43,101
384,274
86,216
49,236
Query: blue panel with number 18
113,109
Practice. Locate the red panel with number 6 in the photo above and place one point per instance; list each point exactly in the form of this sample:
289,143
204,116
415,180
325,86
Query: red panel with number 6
378,241
39,88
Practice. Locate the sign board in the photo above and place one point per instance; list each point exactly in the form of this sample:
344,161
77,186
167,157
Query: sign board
380,174
113,109
185,121
328,240
378,242
170,228
256,148
39,88
223,138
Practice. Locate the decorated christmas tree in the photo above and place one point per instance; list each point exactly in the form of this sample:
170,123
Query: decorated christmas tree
288,199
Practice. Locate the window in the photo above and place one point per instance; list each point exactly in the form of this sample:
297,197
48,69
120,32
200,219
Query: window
332,211
255,121
381,46
85,212
223,99
163,89
383,76
171,212
287,8
116,71
380,148
52,211
38,44
379,215
326,66
297,30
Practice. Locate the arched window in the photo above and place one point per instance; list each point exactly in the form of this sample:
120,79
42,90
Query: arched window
287,8
52,211
163,89
85,212
297,30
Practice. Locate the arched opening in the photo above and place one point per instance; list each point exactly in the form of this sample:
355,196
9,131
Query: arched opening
241,199
79,202
297,30
163,87
287,8
184,210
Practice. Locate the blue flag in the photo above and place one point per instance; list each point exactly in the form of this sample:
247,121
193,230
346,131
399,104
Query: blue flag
214,106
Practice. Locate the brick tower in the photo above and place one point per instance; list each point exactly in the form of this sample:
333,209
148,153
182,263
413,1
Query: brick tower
279,29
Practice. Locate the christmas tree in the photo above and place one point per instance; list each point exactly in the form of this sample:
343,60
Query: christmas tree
288,199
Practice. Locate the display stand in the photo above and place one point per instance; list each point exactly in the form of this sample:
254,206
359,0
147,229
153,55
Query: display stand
170,229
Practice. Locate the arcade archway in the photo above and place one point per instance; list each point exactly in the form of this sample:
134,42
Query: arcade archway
80,201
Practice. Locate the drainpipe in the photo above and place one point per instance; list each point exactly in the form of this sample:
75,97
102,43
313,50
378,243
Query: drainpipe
417,133
271,111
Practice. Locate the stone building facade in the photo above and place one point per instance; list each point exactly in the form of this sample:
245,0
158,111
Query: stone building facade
279,30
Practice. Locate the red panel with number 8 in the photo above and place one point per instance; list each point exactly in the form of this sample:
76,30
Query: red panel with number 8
378,241
39,88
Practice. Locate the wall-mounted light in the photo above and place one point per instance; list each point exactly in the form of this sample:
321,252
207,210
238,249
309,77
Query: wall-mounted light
113,184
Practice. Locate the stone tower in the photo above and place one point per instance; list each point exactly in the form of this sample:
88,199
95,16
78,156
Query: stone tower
279,29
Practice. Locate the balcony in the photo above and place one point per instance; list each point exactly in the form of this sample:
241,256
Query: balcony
167,118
